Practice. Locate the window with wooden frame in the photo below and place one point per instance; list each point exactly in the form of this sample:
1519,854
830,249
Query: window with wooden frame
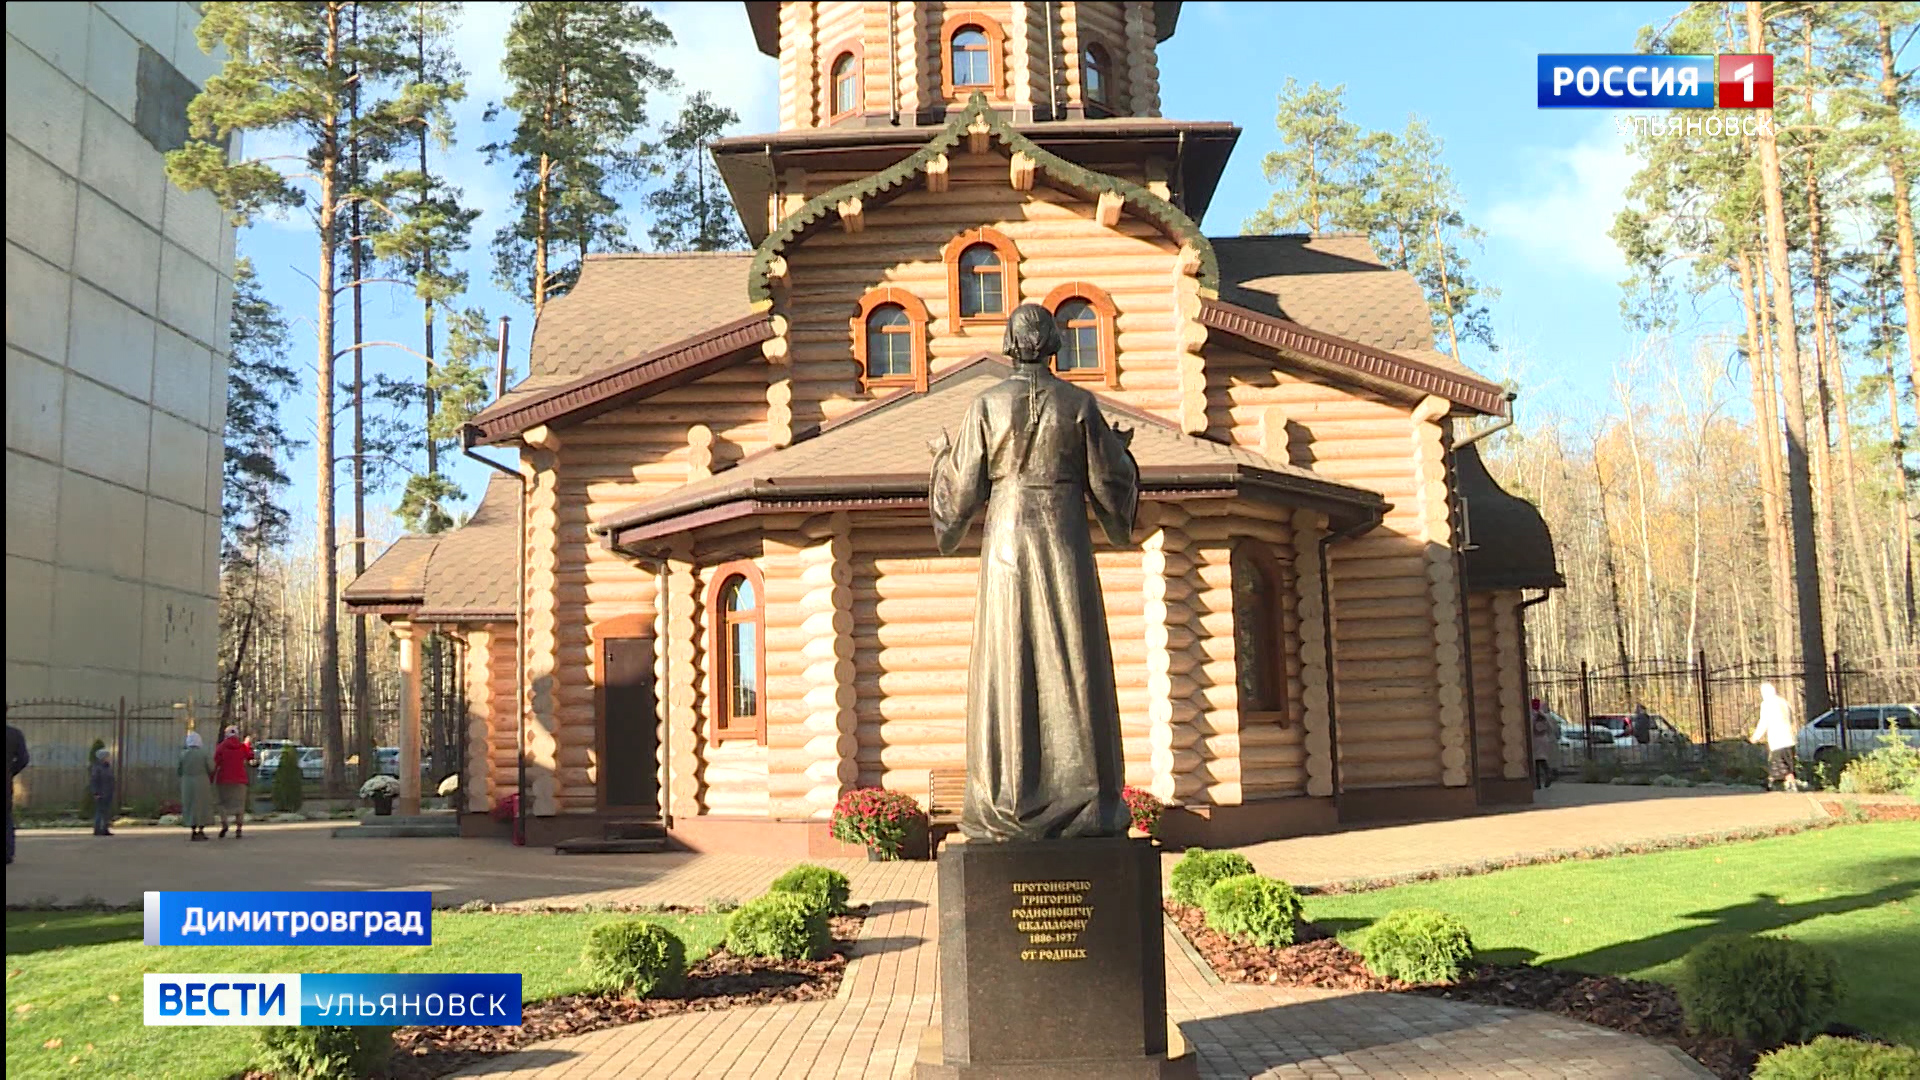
843,87
1259,660
890,339
1096,77
983,277
971,57
736,617
1086,316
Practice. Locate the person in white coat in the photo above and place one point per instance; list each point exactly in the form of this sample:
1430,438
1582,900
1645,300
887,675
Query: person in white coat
1776,730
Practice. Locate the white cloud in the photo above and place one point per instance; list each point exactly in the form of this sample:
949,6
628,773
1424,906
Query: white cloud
1575,193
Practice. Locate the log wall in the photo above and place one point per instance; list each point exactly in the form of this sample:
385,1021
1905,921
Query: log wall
1483,654
813,35
900,245
491,769
1510,675
1386,658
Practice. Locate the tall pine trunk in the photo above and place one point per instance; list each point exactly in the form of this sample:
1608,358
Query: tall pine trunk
1766,425
328,213
362,706
1903,526
1806,570
1890,79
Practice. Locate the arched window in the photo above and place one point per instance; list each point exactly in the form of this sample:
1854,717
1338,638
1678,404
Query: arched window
1095,71
982,282
972,59
972,62
1086,317
890,339
1259,660
983,276
845,84
737,616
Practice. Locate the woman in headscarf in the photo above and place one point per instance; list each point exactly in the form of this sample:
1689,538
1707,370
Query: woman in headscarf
196,787
100,785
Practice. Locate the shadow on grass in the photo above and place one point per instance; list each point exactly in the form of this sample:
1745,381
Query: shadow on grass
1761,914
41,931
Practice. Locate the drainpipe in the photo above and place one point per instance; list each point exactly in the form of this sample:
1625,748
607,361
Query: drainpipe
1053,88
1459,546
468,436
893,65
665,693
1503,424
1326,629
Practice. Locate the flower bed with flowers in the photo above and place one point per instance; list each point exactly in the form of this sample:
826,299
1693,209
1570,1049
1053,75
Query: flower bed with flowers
1143,809
877,819
380,786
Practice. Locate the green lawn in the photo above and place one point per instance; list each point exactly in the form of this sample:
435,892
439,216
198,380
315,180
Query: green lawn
1851,890
75,977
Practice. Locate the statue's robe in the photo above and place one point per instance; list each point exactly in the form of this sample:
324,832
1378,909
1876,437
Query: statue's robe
1043,720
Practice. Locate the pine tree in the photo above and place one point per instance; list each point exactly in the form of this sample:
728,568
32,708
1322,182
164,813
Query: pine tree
311,73
580,75
1326,169
458,386
253,476
1416,222
694,212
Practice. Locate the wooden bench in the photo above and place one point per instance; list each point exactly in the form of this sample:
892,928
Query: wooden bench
946,796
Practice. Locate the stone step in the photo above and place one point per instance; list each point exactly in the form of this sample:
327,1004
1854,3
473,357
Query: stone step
633,829
587,845
396,827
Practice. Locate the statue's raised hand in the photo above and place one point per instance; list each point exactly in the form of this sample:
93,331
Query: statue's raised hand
1124,434
939,444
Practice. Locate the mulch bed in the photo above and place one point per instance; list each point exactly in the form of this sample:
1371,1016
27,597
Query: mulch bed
1873,811
721,981
1647,1009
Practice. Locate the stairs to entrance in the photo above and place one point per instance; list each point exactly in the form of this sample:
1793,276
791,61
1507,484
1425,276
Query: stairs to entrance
397,825
619,836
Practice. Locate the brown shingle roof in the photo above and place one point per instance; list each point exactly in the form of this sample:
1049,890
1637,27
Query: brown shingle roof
467,573
399,575
623,308
472,572
1334,284
879,451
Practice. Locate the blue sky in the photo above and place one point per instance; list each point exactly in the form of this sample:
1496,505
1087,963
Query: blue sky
1543,184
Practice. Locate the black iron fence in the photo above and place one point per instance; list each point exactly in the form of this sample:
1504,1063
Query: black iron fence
1699,706
144,741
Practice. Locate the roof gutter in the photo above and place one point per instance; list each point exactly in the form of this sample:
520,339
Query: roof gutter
1502,424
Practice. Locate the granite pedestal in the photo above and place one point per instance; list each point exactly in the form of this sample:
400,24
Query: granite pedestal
1052,965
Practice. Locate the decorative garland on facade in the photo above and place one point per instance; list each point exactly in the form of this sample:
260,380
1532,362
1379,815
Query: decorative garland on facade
1088,182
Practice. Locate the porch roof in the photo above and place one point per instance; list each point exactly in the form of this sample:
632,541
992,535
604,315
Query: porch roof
463,575
874,457
1508,545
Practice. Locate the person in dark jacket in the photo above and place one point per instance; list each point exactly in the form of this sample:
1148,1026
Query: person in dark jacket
16,764
1642,725
100,785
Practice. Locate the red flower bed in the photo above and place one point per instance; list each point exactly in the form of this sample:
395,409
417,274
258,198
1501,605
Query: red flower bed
1144,809
878,820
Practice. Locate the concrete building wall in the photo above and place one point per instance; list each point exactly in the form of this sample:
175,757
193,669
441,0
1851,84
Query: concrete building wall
118,293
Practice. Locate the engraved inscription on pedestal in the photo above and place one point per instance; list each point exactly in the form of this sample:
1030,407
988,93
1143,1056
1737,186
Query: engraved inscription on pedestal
1052,915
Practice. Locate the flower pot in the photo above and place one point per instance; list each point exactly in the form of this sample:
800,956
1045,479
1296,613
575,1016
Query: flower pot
383,805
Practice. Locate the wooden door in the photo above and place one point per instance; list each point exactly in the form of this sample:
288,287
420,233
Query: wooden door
629,754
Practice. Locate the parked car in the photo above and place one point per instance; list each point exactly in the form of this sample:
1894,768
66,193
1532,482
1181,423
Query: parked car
269,753
1820,740
386,759
1616,729
1570,736
312,762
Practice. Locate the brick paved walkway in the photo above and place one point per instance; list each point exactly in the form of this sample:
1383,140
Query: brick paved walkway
871,1030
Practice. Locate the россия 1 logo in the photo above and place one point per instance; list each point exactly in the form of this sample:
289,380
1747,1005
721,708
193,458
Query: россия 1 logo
1638,81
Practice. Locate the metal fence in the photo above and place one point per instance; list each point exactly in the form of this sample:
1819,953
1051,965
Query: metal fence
1714,707
143,739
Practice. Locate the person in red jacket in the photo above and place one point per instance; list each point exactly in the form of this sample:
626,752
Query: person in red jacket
230,761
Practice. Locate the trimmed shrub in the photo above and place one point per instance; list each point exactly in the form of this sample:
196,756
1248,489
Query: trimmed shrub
635,957
1764,990
1418,945
1828,1058
783,926
823,887
1199,869
288,789
325,1053
1261,909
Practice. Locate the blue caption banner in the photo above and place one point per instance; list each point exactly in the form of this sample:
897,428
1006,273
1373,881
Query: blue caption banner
288,918
255,1000
1632,81
409,1000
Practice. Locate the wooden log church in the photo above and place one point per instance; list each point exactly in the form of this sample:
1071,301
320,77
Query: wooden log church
711,600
